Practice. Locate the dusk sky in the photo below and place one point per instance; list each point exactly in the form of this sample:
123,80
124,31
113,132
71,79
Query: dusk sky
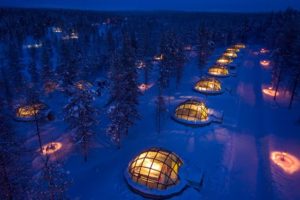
185,5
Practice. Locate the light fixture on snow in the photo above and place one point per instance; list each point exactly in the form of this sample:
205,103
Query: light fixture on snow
264,51
208,85
219,71
224,60
51,148
265,63
143,87
270,91
287,162
156,173
159,57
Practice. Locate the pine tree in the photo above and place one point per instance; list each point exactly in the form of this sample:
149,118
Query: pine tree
33,68
52,182
81,116
47,67
14,175
124,92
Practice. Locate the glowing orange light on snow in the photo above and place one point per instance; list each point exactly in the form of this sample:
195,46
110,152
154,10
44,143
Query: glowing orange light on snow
264,50
265,63
51,148
270,91
143,87
159,57
287,162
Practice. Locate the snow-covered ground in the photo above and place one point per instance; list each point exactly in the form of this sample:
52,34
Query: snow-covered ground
234,155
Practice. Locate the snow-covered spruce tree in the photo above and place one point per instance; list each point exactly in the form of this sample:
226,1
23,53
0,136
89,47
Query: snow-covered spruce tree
203,45
14,175
47,67
160,109
52,182
81,116
32,68
14,67
124,92
68,62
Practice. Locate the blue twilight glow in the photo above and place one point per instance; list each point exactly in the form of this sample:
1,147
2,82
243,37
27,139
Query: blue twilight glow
185,5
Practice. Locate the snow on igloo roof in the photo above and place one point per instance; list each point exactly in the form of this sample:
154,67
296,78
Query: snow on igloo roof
155,168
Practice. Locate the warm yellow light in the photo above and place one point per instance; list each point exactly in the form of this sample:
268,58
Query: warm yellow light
224,60
83,85
287,162
240,46
218,71
192,111
270,91
29,111
159,57
265,63
209,84
51,148
264,50
230,54
231,49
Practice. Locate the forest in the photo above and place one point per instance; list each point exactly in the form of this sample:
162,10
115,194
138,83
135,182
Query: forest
73,80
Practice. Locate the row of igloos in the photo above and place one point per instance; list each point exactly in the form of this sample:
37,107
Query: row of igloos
159,173
194,112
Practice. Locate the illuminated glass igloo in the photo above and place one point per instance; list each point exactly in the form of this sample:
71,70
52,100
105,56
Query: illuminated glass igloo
192,112
224,60
219,71
230,54
31,111
156,173
239,46
208,85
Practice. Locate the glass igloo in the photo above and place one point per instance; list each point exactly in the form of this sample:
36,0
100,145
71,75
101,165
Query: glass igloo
218,70
31,111
155,173
192,112
230,54
208,85
224,60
